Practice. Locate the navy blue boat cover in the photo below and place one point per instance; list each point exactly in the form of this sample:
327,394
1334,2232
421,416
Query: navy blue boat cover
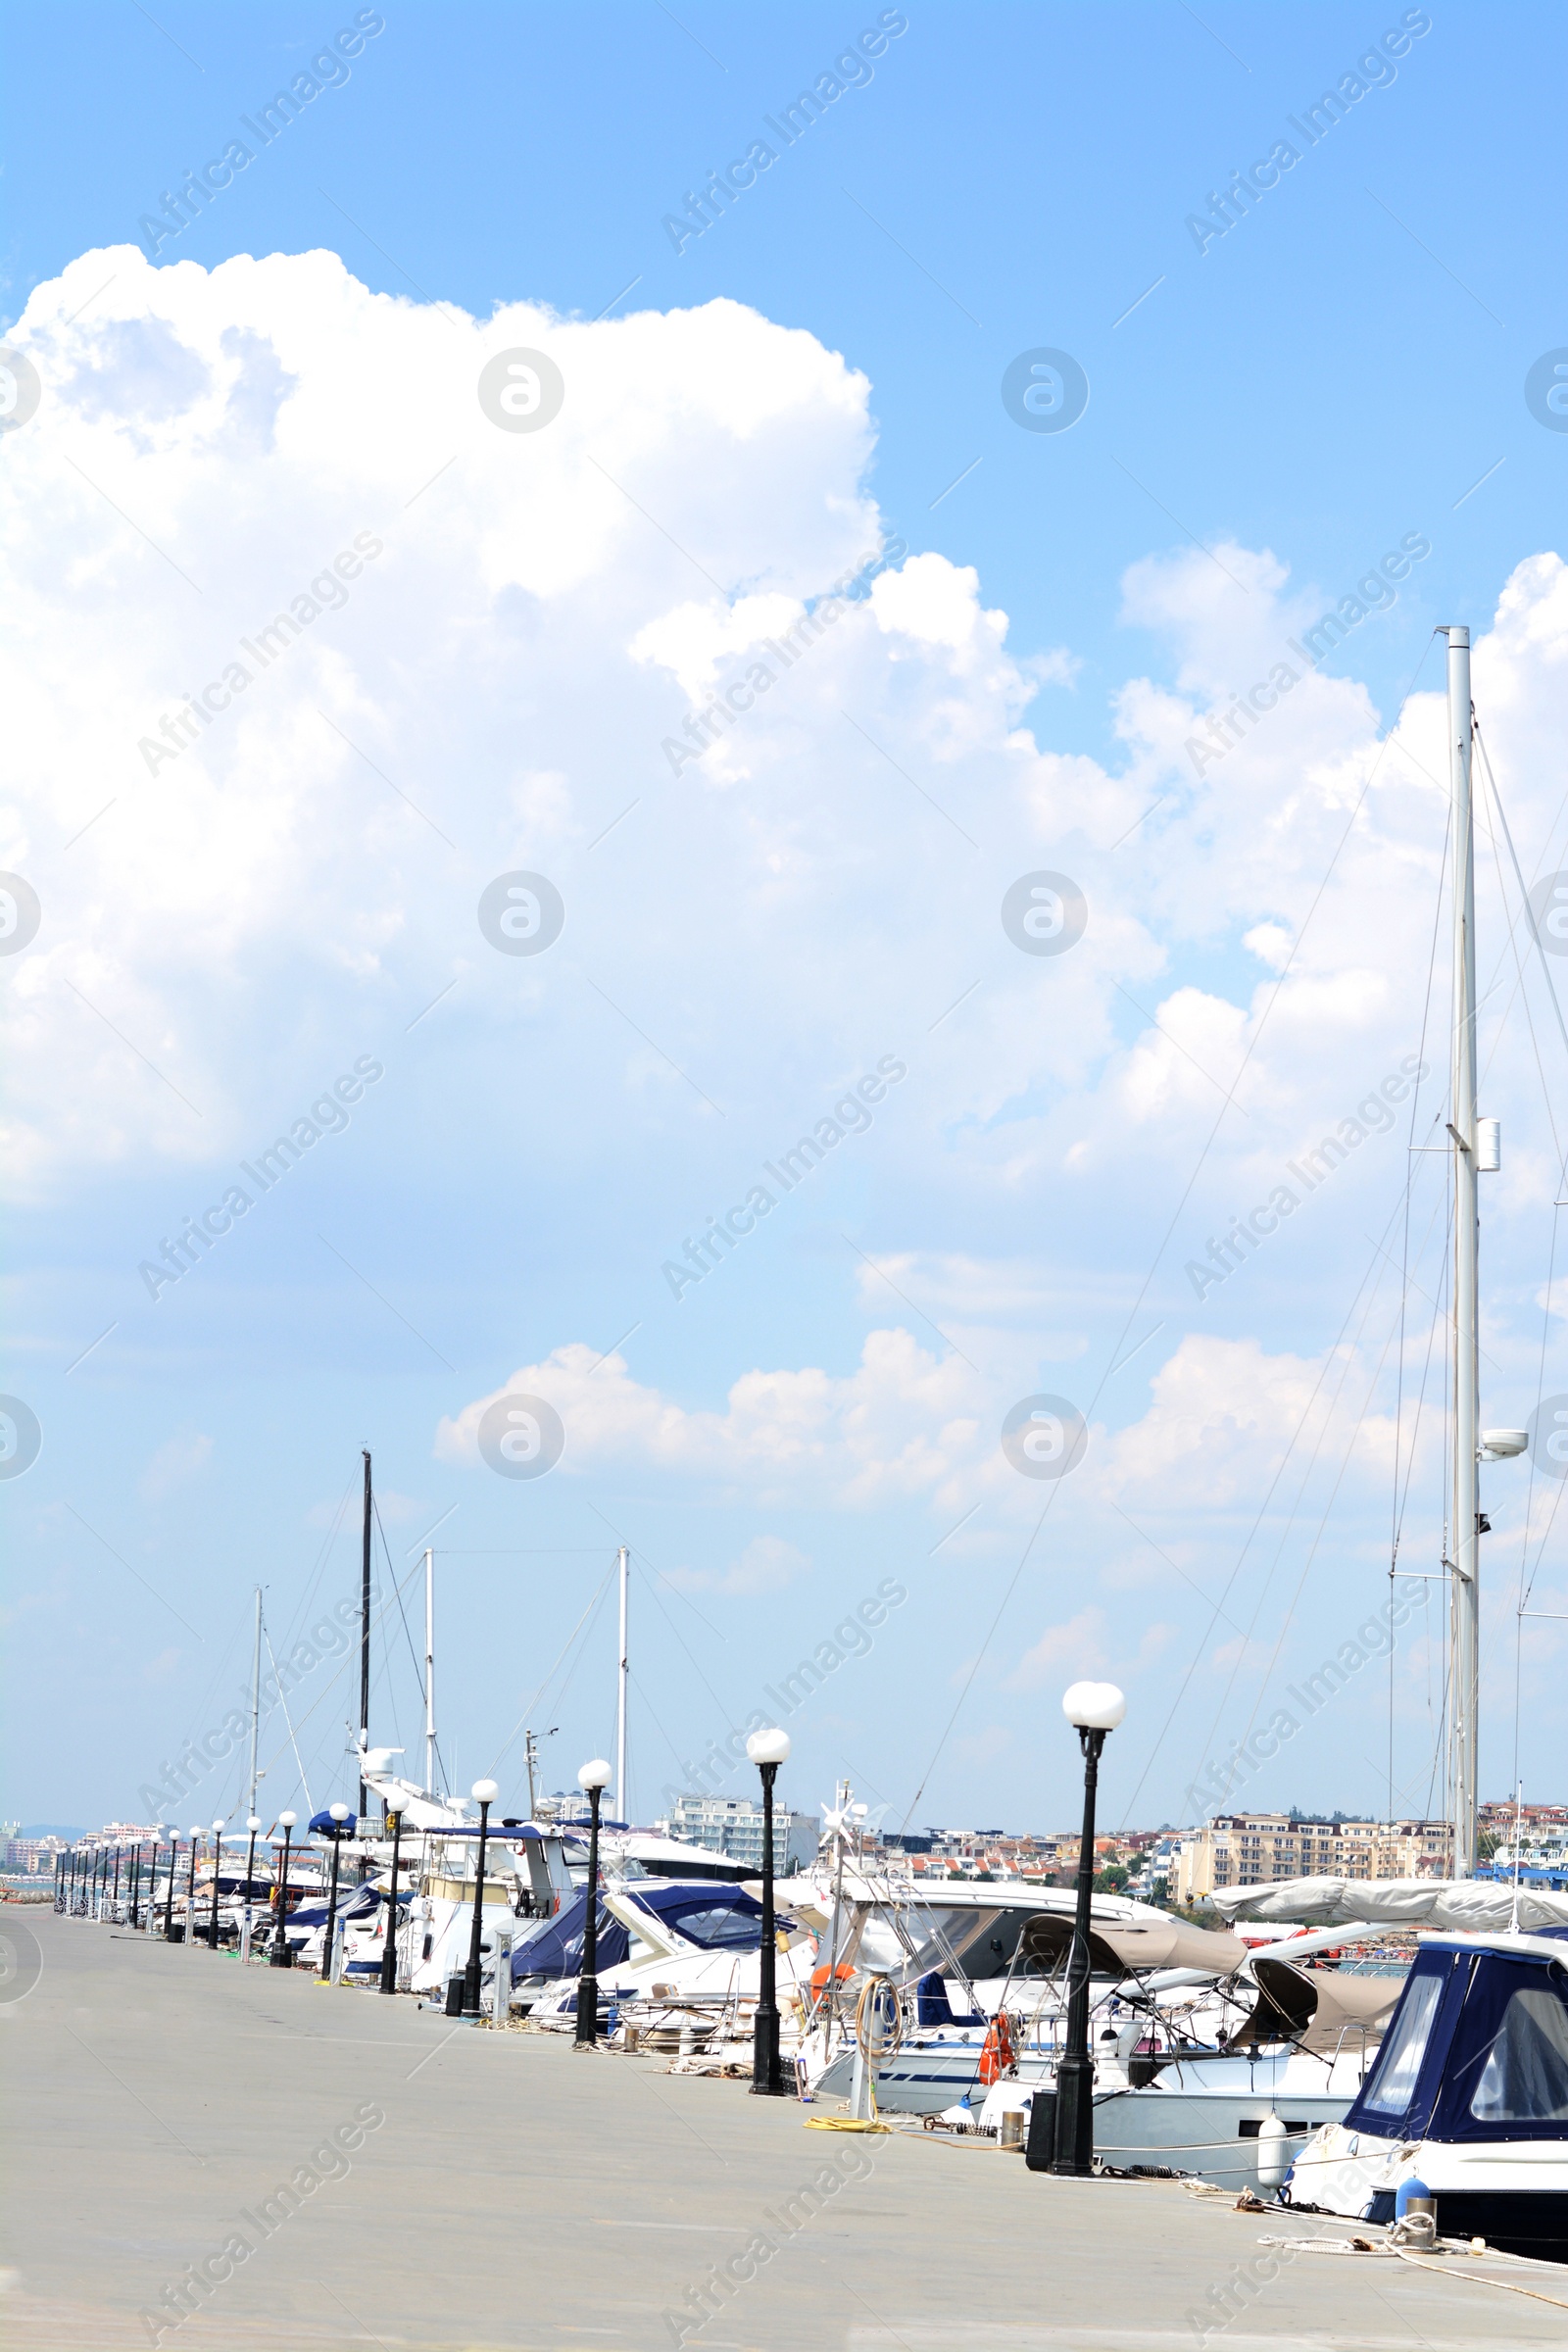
1477,2050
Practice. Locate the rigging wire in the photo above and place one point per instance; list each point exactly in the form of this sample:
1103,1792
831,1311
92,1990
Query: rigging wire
649,1562
1530,1490
203,1715
283,1703
1217,1609
1307,1565
527,1711
350,1658
1529,910
658,1725
1115,1353
1523,995
303,1608
670,1622
397,1594
1285,1534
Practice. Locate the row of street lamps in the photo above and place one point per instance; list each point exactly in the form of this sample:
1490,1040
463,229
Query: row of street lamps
65,1883
1093,1709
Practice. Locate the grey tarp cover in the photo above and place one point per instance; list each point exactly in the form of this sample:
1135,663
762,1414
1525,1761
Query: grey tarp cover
1463,1907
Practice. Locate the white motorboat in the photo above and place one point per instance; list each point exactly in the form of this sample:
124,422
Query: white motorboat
1467,2102
678,1962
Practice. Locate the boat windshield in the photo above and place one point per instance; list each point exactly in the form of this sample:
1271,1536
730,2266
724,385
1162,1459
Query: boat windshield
733,1927
1394,2080
1524,2079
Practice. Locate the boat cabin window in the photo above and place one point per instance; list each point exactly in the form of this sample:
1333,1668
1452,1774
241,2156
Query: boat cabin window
716,1926
1524,2079
1393,2079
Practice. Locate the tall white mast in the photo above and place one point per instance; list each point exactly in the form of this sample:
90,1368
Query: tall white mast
1464,1561
256,1701
429,1671
621,1799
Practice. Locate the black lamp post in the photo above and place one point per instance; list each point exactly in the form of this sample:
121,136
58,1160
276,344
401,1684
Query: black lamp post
134,1906
114,1899
190,1891
1092,1710
168,1890
487,1792
253,1824
767,1752
340,1814
594,1778
389,1956
281,1956
217,1864
60,1879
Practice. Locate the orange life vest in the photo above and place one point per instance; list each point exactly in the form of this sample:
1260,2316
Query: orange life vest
995,2056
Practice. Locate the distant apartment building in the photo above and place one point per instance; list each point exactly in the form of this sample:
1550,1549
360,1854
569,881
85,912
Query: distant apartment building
974,1853
732,1825
1256,1849
30,1857
1530,1821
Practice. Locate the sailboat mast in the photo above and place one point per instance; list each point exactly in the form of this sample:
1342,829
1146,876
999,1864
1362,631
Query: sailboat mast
429,1671
1465,1564
364,1635
623,1562
256,1699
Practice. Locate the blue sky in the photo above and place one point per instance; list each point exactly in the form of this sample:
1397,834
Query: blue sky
746,419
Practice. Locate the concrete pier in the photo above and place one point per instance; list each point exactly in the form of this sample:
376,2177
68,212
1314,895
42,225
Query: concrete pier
304,2167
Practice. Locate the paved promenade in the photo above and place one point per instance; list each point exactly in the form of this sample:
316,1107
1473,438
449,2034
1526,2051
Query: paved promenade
345,2170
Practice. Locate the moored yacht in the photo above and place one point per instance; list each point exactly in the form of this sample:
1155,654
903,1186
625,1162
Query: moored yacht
1467,2102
